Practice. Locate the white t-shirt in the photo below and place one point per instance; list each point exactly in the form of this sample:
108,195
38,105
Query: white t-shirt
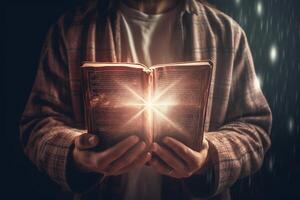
148,39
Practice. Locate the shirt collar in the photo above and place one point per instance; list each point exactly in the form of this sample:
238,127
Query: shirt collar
192,7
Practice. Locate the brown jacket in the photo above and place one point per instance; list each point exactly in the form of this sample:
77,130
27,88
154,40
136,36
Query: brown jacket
238,120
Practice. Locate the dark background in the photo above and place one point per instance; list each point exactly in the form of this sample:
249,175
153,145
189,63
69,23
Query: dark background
273,30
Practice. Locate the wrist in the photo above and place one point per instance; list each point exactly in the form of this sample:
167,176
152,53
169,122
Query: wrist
75,162
79,179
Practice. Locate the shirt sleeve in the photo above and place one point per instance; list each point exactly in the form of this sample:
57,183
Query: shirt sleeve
237,148
47,128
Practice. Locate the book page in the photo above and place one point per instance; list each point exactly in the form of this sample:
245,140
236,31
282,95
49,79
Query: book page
113,102
180,98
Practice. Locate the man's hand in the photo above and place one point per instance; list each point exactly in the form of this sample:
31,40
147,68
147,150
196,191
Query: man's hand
179,161
128,154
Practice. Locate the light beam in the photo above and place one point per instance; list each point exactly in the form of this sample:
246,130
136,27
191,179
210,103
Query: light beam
156,104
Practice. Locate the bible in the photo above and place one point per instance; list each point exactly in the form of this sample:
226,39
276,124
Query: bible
123,99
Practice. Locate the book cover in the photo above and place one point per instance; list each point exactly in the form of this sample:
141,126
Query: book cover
123,99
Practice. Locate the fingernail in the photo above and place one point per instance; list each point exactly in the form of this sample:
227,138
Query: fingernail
154,147
166,140
134,138
149,155
143,145
92,140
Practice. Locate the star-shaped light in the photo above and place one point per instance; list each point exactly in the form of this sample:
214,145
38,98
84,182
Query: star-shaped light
153,104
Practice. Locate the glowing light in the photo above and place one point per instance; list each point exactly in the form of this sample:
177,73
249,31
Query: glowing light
168,120
271,163
258,82
273,53
161,93
149,104
157,105
237,2
259,8
291,124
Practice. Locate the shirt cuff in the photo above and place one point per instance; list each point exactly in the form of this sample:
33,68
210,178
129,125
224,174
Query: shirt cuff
222,164
57,161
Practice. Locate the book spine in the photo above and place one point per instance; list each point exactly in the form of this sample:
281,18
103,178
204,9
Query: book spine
86,99
148,112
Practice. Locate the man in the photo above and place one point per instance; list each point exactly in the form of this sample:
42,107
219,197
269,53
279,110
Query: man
238,117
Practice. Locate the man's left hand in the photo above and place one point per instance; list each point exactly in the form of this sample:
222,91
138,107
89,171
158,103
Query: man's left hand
178,160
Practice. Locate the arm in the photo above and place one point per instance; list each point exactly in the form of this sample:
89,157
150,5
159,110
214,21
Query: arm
238,147
49,134
47,128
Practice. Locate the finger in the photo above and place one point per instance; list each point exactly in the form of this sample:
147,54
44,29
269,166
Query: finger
205,144
108,156
128,158
141,161
162,168
86,141
181,150
168,157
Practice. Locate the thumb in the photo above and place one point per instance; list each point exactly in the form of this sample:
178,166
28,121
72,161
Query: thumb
86,141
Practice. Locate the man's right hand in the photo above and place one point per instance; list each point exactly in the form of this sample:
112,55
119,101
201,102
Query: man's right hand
128,154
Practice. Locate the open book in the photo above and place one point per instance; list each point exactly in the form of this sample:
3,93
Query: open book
123,99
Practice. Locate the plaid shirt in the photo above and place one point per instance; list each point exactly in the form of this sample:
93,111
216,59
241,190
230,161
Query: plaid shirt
238,116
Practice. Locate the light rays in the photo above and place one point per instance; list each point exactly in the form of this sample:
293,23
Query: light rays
161,93
174,125
156,104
